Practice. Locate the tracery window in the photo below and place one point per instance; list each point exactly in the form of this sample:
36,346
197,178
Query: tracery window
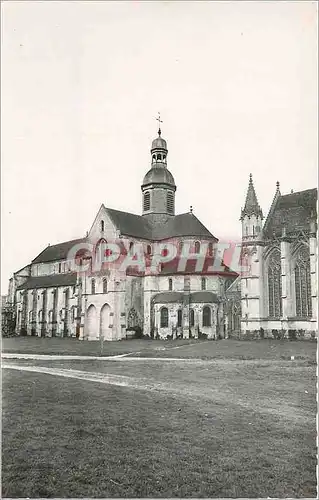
207,316
164,317
274,285
303,284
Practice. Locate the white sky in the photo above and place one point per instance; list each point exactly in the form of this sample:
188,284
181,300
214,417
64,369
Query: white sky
235,82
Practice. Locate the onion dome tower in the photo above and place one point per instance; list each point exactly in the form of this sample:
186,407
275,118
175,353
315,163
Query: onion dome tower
158,188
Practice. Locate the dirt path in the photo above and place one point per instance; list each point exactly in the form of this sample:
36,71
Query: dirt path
200,391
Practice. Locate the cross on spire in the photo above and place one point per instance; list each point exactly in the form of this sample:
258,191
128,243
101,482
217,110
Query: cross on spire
159,123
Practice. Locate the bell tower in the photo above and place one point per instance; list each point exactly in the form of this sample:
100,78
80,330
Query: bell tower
158,188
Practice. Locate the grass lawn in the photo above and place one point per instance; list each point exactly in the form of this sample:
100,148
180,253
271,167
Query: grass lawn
203,428
223,349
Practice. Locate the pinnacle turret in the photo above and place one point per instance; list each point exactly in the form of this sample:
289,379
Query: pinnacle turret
252,206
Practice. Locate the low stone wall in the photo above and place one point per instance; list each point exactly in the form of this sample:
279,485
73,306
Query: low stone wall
274,334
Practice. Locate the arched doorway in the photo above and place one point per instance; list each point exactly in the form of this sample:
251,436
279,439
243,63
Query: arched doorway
92,322
106,331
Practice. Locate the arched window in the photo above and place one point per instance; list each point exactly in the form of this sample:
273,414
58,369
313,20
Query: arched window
210,249
159,156
191,317
154,157
180,246
197,246
170,284
149,249
93,286
102,225
164,317
131,245
170,202
147,201
207,316
274,285
203,283
179,317
303,284
104,285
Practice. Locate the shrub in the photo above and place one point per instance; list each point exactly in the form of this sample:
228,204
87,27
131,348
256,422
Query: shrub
262,333
292,334
301,333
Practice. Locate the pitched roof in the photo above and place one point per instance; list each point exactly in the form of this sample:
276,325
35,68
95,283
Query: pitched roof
139,226
195,297
294,212
135,226
57,252
171,267
131,224
251,204
53,280
181,225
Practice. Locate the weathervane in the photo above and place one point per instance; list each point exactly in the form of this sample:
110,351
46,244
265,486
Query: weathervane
159,123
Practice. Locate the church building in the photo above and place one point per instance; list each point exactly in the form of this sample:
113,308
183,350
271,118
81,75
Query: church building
279,278
50,298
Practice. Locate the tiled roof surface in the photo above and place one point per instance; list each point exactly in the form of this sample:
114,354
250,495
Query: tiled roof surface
53,280
135,226
294,212
195,297
57,252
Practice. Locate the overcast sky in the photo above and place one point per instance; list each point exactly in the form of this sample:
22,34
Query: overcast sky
235,82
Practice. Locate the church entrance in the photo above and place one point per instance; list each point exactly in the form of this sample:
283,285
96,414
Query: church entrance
106,331
91,322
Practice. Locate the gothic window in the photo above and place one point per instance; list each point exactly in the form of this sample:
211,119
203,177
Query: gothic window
149,249
131,245
93,286
274,285
180,247
191,317
303,284
197,246
170,284
207,316
170,202
104,285
102,225
147,201
203,283
210,249
164,317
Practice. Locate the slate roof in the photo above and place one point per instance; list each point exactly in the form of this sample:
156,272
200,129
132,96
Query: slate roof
131,224
57,252
53,280
135,226
195,297
181,225
171,267
294,212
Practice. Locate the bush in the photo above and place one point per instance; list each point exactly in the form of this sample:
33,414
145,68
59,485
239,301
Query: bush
292,334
